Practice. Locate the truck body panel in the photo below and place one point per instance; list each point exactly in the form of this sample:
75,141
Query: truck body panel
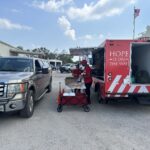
119,68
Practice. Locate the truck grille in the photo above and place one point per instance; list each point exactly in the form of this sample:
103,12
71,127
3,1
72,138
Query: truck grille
2,87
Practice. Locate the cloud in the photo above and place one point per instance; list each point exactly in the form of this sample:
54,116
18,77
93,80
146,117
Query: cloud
66,25
101,36
7,24
51,5
99,10
86,37
90,37
15,11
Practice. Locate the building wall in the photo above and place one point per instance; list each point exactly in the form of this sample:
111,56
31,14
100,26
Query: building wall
7,50
4,50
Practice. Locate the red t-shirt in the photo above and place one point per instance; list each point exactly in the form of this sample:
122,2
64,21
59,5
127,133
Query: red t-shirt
87,76
76,73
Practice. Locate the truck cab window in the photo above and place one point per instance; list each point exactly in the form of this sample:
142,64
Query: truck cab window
38,67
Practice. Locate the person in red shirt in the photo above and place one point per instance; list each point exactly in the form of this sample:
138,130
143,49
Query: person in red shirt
76,72
87,79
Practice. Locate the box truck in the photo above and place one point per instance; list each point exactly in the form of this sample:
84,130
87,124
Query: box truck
121,68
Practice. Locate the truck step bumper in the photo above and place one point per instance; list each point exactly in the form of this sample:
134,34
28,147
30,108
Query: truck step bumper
12,106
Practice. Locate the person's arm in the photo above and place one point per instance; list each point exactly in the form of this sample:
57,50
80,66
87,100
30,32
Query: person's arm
87,73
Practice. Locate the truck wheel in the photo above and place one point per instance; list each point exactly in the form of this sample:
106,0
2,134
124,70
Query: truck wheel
49,86
100,101
103,101
28,110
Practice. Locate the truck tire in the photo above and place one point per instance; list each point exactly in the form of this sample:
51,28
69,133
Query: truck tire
103,101
49,86
28,110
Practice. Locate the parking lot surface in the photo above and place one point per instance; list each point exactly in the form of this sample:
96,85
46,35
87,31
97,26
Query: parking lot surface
116,126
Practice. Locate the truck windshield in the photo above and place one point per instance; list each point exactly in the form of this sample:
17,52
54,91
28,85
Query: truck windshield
16,64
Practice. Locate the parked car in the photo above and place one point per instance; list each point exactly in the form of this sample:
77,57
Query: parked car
23,81
53,67
67,67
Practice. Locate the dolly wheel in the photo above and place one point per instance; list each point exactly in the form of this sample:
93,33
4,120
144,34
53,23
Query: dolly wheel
59,108
86,108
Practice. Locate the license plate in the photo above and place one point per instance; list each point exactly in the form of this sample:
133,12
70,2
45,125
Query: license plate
1,108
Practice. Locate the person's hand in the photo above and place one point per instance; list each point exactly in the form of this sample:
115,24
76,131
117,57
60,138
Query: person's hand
83,73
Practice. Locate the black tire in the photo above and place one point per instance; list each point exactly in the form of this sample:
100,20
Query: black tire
106,101
59,108
103,101
49,86
135,100
100,101
86,108
28,110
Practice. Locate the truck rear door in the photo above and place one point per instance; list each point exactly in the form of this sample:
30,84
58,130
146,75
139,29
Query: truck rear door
117,66
140,68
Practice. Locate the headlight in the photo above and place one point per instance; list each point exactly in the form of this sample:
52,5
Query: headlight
16,88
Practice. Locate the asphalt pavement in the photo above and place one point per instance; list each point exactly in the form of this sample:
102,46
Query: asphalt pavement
120,125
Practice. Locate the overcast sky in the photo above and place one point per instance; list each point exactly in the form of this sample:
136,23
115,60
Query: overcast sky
69,23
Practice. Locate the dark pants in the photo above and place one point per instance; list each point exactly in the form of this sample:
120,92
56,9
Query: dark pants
88,92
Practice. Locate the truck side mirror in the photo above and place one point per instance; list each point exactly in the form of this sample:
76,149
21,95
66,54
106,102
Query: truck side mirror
38,70
45,70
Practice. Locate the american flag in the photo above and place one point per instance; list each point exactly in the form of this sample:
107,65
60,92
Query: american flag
136,12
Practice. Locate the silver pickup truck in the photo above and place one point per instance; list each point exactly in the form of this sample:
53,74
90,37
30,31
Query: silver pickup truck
23,81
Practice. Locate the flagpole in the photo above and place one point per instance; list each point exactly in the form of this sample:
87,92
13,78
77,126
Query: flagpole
134,24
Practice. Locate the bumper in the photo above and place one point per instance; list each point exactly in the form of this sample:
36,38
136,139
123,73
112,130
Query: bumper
13,105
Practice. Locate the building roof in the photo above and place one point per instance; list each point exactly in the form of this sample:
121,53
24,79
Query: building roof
4,43
19,51
24,52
